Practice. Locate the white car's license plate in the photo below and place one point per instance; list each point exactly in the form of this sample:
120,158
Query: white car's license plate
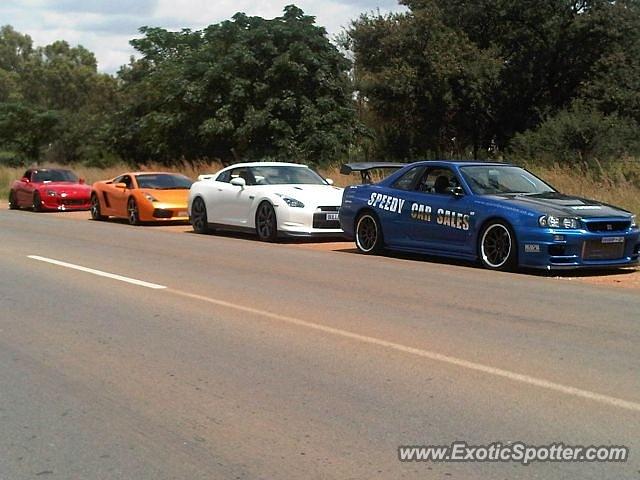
612,239
332,216
182,213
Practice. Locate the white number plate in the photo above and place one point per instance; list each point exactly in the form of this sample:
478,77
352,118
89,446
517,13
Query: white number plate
613,240
332,216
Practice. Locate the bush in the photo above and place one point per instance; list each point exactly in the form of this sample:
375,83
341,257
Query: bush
578,135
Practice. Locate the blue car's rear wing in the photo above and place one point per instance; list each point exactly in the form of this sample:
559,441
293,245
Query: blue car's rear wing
365,168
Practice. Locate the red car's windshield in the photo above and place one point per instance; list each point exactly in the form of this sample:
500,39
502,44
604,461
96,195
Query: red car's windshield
42,176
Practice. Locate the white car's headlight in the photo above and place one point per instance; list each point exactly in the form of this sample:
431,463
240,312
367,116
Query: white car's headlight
292,202
551,221
150,197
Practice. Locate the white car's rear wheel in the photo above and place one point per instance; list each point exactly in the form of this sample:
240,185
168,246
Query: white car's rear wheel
199,220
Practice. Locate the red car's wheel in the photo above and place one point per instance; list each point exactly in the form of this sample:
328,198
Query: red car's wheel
13,205
37,202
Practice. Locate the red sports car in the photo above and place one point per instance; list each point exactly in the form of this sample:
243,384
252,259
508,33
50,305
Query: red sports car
50,189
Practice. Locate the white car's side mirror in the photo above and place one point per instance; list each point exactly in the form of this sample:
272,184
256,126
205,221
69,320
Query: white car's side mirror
329,181
238,182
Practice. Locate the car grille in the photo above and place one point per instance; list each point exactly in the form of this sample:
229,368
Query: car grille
320,218
162,213
604,226
70,201
596,250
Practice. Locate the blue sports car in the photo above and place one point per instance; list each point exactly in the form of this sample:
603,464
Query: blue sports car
499,214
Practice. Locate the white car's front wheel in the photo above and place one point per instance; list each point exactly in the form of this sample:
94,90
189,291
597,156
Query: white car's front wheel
266,222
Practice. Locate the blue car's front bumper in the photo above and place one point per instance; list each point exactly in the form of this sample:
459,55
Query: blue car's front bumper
557,248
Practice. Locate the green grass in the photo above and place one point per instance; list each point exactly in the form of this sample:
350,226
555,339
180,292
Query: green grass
618,185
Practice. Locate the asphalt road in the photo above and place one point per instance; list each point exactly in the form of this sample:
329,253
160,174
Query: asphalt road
266,361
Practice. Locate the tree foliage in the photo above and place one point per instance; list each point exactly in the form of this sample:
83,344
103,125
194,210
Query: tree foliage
244,88
53,102
484,71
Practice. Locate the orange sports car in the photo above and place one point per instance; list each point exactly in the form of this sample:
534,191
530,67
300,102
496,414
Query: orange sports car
142,197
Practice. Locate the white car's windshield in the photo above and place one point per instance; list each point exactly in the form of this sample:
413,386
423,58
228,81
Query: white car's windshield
502,180
285,175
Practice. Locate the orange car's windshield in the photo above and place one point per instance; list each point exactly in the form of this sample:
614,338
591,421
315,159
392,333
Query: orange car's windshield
164,181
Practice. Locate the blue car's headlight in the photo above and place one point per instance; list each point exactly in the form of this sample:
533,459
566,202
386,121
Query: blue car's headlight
634,221
551,221
292,202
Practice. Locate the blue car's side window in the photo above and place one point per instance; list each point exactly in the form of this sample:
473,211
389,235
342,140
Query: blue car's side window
409,180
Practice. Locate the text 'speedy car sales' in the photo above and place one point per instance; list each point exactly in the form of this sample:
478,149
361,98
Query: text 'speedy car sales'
497,213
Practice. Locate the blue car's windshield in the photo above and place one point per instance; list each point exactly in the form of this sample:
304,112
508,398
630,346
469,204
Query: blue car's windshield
502,180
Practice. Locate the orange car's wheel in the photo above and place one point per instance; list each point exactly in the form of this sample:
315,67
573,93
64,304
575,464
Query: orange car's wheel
134,213
96,213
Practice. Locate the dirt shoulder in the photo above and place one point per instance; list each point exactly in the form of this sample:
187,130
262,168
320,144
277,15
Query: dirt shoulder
625,278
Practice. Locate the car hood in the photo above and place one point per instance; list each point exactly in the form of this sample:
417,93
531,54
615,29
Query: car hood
309,194
555,203
168,196
65,187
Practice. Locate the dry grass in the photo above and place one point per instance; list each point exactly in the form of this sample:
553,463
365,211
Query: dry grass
612,188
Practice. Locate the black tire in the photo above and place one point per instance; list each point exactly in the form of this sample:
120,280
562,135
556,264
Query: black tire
13,205
37,202
199,220
497,246
368,234
133,214
266,222
96,212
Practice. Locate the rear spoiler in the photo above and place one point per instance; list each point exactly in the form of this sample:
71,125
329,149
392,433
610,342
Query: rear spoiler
365,168
207,176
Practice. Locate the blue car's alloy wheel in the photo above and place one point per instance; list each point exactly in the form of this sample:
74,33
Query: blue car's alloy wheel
368,234
497,247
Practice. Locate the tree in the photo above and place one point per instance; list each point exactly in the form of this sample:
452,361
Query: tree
26,129
428,85
244,88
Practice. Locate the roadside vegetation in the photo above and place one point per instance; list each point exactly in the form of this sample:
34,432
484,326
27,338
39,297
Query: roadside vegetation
552,85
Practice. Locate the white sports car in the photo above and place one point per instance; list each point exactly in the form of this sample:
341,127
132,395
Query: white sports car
270,198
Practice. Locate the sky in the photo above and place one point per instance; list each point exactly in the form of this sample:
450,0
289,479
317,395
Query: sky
106,26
